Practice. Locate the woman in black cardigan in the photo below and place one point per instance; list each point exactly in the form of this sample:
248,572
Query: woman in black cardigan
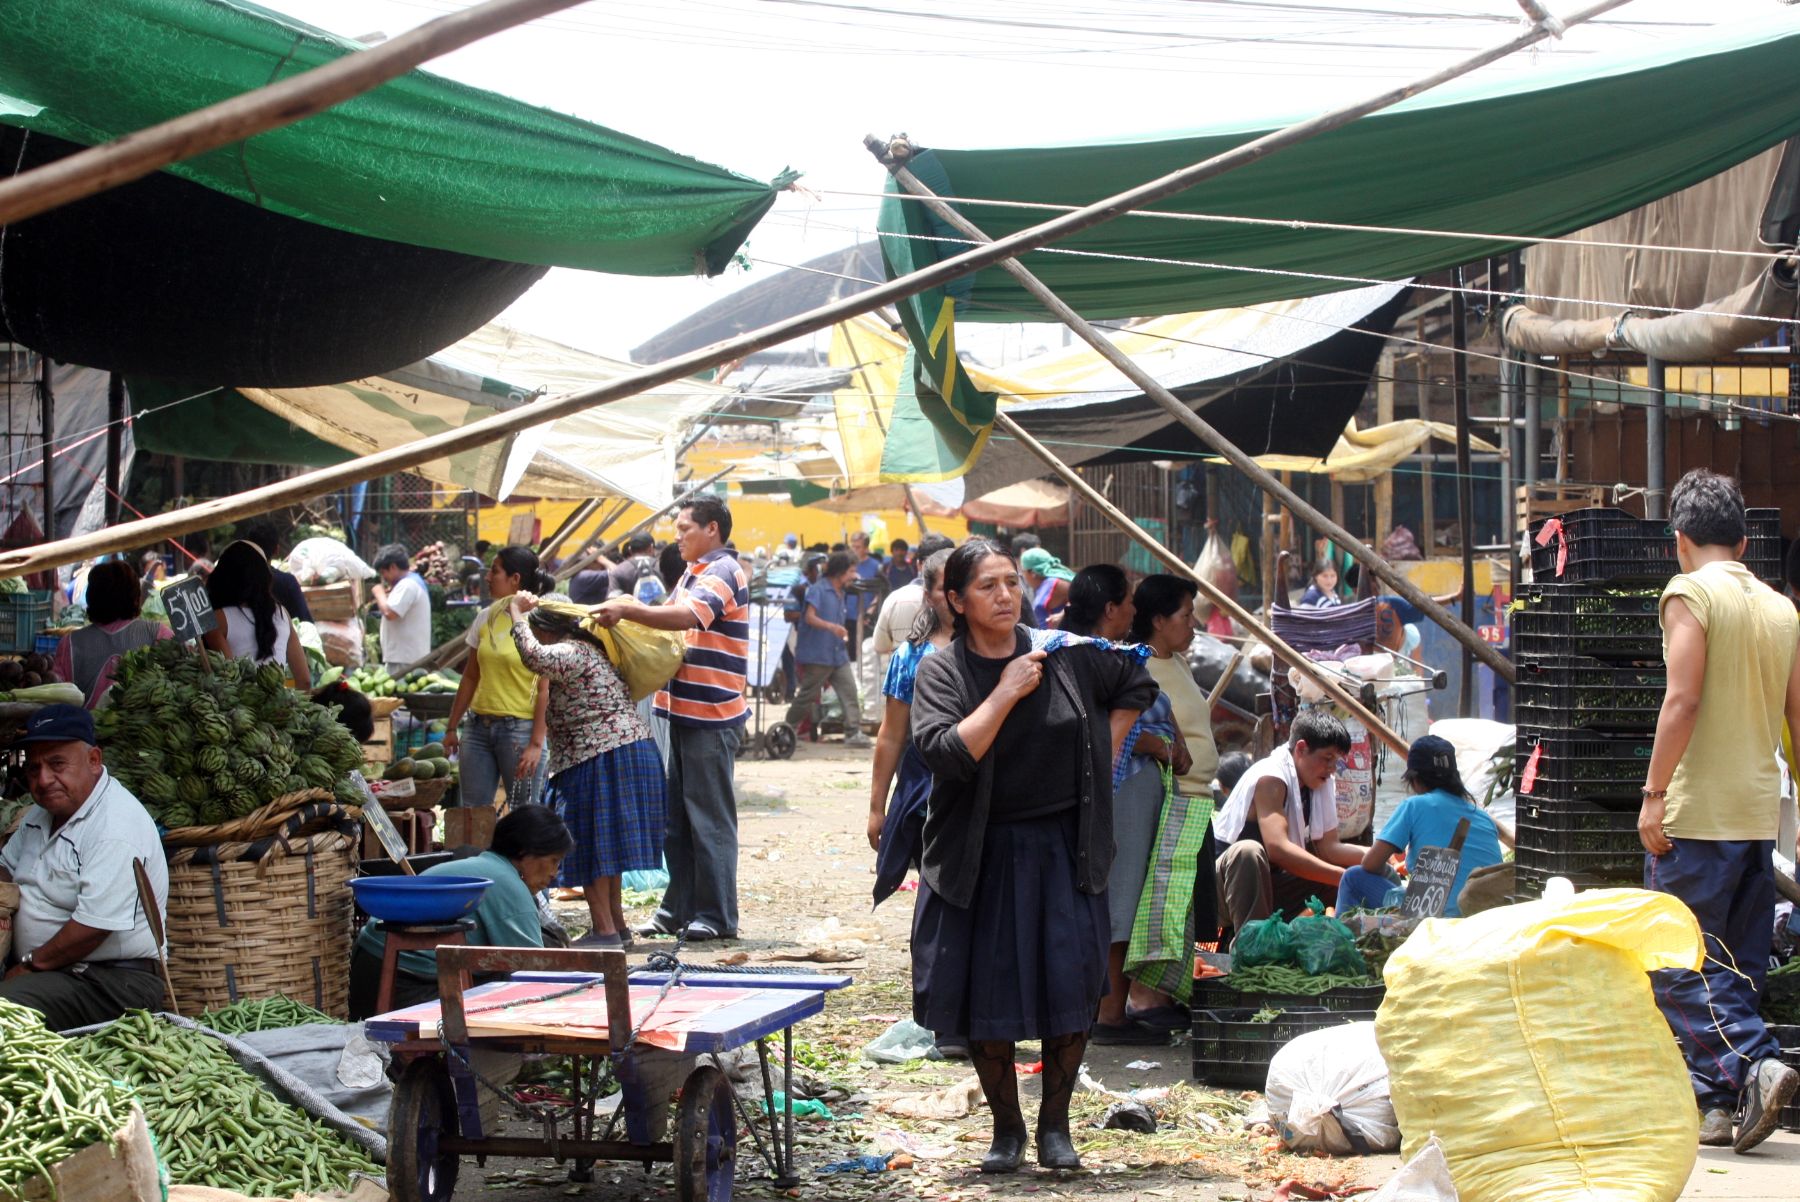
1010,934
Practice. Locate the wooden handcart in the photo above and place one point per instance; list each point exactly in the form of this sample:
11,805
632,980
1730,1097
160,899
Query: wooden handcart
649,1031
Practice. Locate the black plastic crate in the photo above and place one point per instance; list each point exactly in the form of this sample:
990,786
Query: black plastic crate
1790,1056
1573,838
1572,692
1233,1051
1216,993
1573,619
1581,765
1610,544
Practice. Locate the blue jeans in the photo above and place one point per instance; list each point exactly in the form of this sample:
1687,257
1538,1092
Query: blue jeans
1372,890
1730,887
489,759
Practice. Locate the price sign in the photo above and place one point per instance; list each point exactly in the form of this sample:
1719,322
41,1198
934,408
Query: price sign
190,609
1433,874
385,831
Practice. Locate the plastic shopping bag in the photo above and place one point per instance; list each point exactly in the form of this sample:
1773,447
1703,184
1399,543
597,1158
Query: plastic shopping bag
1325,945
1424,1178
1328,1092
1526,1039
1265,941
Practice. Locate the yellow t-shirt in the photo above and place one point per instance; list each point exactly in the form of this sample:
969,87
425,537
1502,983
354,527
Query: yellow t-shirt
507,688
1727,785
1174,677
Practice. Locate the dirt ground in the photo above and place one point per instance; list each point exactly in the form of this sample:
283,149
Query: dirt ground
805,874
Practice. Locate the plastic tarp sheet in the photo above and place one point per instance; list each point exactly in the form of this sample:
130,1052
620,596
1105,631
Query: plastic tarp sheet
627,448
1672,115
455,168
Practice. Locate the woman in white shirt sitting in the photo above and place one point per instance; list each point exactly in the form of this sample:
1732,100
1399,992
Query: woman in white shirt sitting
251,624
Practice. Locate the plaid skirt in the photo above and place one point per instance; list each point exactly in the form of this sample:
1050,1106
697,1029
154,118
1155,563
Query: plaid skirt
613,805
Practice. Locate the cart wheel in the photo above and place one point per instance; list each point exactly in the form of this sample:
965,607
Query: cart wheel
779,742
705,1138
424,1108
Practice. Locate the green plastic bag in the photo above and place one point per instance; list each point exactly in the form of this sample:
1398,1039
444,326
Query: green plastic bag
1324,945
1265,941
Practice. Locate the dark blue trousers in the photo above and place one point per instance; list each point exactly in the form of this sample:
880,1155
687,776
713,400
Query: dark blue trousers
1730,887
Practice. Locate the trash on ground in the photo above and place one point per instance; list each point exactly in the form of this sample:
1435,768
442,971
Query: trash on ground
950,1102
1144,1066
1129,1116
858,1164
905,1040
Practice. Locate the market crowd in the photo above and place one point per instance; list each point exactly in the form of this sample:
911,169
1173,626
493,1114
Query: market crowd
1045,761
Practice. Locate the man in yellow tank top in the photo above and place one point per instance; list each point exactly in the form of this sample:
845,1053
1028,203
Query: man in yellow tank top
1712,804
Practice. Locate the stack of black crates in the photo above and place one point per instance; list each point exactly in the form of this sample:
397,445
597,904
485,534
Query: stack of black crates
1588,647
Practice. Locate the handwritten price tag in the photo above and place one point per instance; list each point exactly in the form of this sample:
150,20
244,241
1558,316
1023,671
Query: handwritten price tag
190,609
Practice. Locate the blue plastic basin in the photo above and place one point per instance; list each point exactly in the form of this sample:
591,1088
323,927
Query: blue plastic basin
418,898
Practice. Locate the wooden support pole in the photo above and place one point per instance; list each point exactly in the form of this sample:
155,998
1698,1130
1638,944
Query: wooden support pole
893,156
115,444
1384,413
1225,601
47,417
1465,483
492,429
136,155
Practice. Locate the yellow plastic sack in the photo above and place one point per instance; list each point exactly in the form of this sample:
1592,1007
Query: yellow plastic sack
647,658
1526,1039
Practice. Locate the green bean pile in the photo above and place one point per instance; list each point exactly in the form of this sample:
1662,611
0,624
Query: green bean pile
214,1123
52,1104
1282,978
268,1014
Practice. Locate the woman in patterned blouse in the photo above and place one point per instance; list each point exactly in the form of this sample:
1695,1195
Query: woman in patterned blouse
606,777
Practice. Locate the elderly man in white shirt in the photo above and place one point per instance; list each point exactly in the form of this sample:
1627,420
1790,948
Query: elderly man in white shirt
82,947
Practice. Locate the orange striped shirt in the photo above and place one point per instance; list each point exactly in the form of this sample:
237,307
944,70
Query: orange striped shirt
709,688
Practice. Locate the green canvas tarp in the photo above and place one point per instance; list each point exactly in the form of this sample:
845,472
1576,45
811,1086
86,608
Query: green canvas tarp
1536,155
421,160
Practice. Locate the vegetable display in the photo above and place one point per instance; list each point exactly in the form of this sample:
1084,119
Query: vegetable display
45,694
1283,978
267,1014
29,671
377,682
201,748
52,1102
214,1123
1781,994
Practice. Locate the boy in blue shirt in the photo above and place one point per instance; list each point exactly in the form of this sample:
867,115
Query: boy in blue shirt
1428,818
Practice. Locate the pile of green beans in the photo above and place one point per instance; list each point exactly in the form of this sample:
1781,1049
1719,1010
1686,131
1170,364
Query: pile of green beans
267,1014
214,1123
1281,978
52,1103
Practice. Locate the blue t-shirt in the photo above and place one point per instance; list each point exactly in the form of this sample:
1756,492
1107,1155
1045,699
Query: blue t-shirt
1429,820
903,670
815,646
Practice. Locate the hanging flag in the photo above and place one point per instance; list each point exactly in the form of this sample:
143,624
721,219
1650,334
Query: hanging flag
941,420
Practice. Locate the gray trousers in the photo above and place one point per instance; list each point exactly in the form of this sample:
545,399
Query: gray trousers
700,843
813,678
98,993
1250,889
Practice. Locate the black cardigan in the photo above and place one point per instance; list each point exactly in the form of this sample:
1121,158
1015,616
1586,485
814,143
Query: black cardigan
1089,683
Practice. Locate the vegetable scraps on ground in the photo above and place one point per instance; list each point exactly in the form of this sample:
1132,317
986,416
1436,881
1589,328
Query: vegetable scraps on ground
52,1102
214,1123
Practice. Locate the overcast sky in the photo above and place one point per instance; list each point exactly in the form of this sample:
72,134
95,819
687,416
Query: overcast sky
760,85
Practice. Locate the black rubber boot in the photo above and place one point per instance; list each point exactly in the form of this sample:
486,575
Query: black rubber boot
1062,1069
993,1061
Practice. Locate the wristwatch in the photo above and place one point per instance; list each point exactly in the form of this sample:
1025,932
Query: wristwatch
28,964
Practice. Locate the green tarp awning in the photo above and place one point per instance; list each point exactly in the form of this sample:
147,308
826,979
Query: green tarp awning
420,160
1539,154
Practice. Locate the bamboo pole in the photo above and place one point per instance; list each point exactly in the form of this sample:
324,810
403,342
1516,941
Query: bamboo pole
95,170
1213,593
893,156
491,429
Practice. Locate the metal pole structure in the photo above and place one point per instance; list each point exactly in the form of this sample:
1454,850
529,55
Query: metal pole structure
1330,684
500,425
115,442
1465,484
1656,440
47,419
893,155
1534,425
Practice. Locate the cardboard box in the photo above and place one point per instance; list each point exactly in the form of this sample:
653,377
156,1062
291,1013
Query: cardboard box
123,1169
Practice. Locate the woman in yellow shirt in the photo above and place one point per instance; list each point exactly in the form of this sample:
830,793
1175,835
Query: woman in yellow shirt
497,719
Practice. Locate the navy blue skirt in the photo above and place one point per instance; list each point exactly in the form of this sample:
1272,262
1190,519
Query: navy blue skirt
1027,958
614,806
903,828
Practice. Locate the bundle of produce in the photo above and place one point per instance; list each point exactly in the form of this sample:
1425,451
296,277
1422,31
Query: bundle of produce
376,681
430,762
1282,978
27,672
200,748
433,562
53,1103
266,1014
214,1123
43,694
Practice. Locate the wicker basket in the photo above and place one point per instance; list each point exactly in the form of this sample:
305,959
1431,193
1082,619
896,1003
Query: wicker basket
257,919
426,794
292,814
383,707
426,706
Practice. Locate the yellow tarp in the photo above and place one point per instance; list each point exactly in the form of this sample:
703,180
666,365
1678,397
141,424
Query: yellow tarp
1362,455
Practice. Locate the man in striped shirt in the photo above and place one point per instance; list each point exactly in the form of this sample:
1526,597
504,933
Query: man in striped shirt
705,707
